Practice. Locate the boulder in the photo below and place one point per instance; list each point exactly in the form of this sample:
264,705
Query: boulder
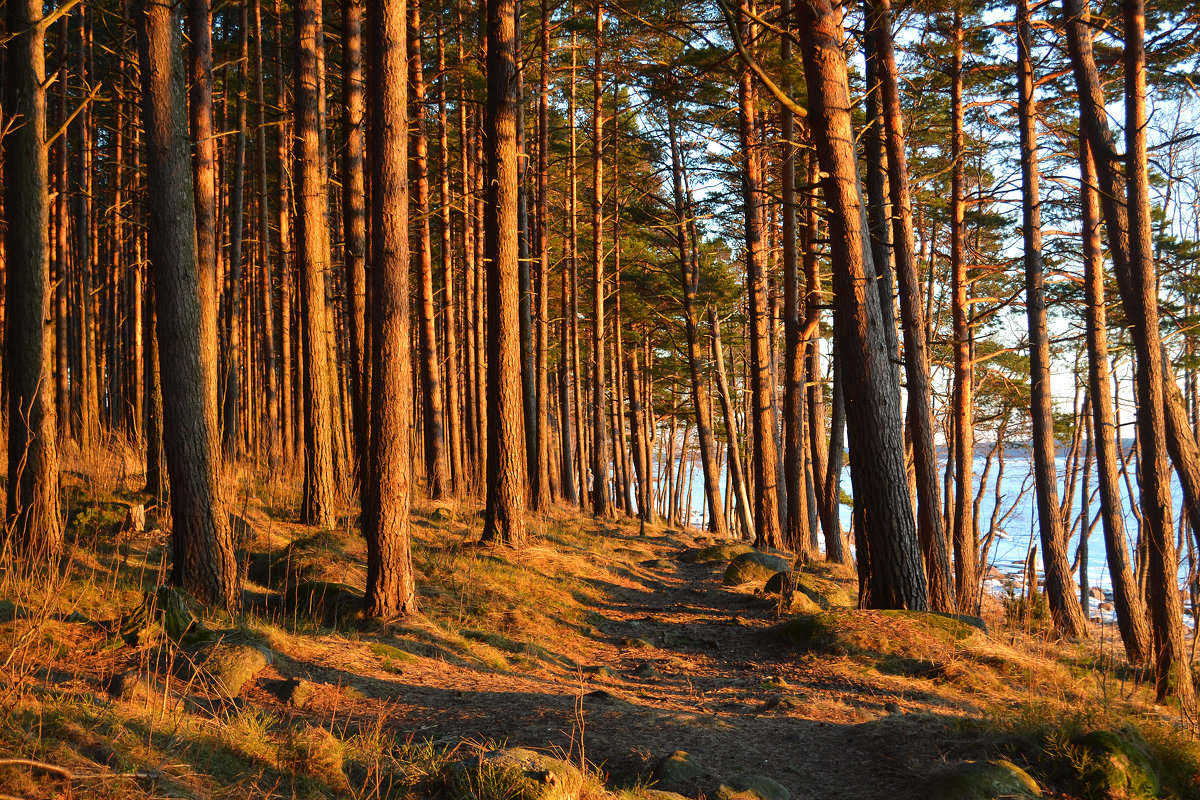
334,603
312,750
516,773
129,685
716,552
676,771
984,780
754,566
224,667
296,692
753,787
1117,768
1096,593
816,593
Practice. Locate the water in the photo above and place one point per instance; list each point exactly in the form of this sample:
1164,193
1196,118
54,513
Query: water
1019,529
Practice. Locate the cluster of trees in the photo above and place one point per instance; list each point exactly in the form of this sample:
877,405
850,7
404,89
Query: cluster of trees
202,257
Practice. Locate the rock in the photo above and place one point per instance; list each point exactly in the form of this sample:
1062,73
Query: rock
1096,593
515,772
645,670
601,696
296,692
600,671
660,794
658,563
892,708
129,685
754,566
1118,768
819,593
984,780
677,771
636,643
716,552
335,603
225,667
753,787
314,751
442,514
1105,607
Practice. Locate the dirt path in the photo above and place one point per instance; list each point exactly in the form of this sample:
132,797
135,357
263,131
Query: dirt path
687,665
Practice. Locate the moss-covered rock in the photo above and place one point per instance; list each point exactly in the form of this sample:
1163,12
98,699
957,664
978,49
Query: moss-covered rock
984,780
514,773
1115,768
753,787
677,771
226,667
716,552
312,750
819,593
334,603
754,566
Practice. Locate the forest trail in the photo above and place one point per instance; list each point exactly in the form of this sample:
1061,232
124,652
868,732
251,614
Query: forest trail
675,661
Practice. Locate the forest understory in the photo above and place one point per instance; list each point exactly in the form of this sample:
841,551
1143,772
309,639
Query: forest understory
605,648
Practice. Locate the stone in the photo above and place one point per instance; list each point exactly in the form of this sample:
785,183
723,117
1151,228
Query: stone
528,775
442,514
225,667
754,566
600,671
128,685
296,692
1096,593
716,552
892,708
1118,768
753,787
984,780
335,603
314,751
820,593
645,670
677,770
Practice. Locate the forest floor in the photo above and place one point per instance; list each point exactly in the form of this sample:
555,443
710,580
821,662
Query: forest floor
602,645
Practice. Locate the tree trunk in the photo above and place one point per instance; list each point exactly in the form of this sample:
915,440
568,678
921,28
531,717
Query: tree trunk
736,472
1174,673
541,479
599,444
201,543
895,574
312,261
354,219
765,456
231,388
204,177
387,484
689,283
1131,612
431,379
966,555
1060,588
930,529
33,527
504,519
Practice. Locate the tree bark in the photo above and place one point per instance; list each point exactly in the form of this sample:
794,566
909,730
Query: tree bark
895,574
1174,673
388,483
504,515
1131,611
930,530
765,457
33,521
201,543
600,505
1060,587
312,261
354,219
431,380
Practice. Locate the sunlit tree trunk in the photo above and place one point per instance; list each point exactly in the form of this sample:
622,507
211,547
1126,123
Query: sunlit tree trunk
33,522
388,483
201,543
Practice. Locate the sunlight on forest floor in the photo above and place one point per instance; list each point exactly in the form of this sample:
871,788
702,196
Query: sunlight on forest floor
600,646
